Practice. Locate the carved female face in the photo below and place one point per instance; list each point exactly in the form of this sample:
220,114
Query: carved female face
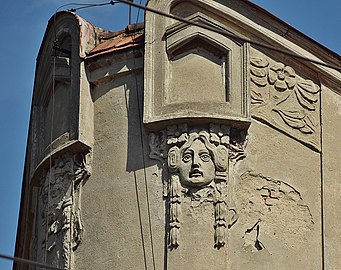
196,165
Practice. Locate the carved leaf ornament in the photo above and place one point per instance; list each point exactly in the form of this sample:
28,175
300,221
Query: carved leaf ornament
276,89
60,209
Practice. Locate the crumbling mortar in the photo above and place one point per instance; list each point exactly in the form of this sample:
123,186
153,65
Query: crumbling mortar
284,215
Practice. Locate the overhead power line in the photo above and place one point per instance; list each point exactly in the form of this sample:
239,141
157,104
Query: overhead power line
29,262
86,5
215,30
231,35
143,148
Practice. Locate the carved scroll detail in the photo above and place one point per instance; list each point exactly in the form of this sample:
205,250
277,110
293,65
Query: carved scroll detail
60,209
177,148
283,99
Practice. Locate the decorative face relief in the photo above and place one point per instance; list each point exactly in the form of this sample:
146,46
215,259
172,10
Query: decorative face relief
197,161
284,100
196,165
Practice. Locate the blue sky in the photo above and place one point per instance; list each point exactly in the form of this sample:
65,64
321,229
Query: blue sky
22,26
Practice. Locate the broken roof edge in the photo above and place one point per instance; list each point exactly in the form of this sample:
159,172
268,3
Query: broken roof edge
86,32
117,44
131,36
324,53
90,36
130,28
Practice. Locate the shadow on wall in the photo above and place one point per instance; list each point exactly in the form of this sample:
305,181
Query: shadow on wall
131,107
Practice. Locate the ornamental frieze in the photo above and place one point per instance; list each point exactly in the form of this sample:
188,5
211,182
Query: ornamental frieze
284,100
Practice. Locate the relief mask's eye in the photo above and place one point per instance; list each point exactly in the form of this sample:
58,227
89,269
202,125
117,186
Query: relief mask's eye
205,157
187,157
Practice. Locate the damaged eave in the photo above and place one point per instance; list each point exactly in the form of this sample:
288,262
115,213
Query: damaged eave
117,44
86,33
131,36
114,58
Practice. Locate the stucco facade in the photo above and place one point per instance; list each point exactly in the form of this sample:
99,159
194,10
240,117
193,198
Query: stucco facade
171,146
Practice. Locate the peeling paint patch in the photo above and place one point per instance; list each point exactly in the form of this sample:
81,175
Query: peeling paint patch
272,210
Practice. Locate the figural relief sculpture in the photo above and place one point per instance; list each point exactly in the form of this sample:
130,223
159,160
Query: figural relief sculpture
284,100
196,163
59,208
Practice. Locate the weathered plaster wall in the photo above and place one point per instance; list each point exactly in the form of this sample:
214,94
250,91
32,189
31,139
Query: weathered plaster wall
278,198
331,133
115,202
266,194
277,186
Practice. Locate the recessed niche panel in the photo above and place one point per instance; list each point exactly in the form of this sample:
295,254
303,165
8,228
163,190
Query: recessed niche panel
58,114
198,76
193,74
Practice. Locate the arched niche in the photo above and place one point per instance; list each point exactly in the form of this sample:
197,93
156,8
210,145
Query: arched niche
197,62
57,115
192,73
56,97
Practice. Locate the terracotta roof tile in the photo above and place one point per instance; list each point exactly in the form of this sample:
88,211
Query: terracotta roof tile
131,36
118,43
129,29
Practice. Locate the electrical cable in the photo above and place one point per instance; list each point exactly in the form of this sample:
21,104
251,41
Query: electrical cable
139,212
139,6
93,5
231,35
140,221
50,157
85,5
142,145
28,262
322,181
